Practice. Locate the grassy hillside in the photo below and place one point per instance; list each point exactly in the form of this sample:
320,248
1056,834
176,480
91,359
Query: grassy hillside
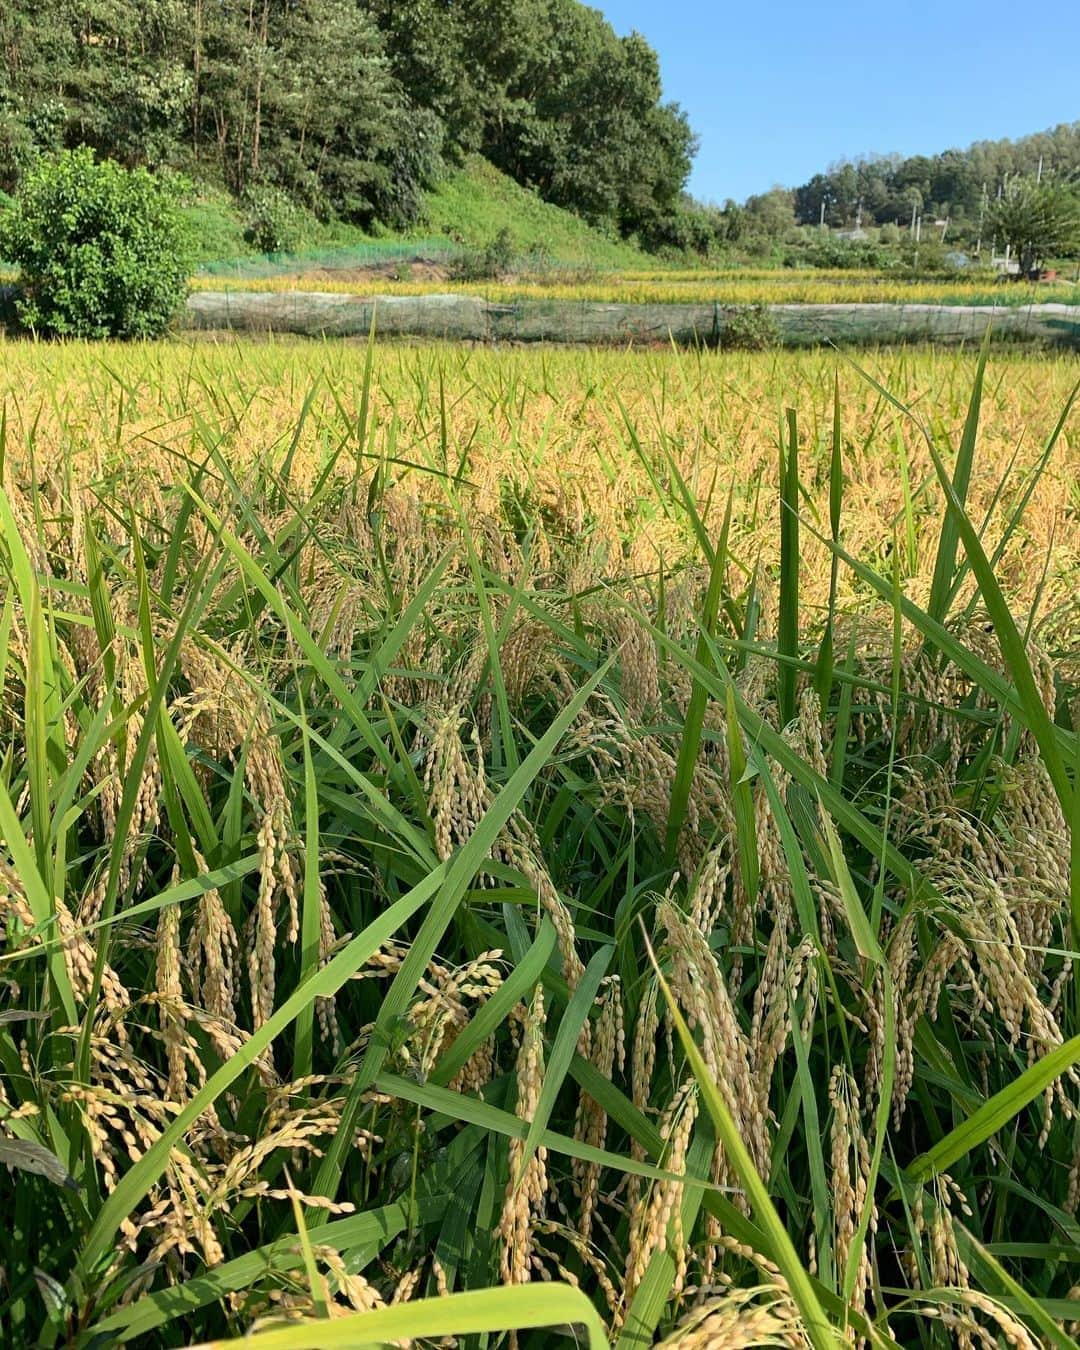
474,203
469,208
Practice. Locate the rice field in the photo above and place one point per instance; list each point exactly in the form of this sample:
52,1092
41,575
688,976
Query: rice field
726,287
538,847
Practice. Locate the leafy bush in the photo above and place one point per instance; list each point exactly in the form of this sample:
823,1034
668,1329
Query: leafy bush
815,249
487,263
927,258
691,230
749,328
271,223
103,251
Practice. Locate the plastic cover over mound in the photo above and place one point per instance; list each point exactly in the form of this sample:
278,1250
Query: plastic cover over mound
471,318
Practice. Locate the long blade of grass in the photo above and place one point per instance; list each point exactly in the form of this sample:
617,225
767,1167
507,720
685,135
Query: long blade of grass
479,1310
461,1107
995,1113
1013,650
742,801
1017,514
824,673
977,1254
788,622
316,1284
41,903
988,679
949,539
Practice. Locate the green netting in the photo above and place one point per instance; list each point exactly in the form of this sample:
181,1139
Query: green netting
368,254
472,318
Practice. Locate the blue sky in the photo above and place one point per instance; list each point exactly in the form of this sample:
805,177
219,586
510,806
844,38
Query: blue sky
776,91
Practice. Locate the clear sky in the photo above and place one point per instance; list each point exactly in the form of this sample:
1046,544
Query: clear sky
777,91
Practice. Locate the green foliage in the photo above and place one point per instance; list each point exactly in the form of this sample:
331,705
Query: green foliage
1038,220
578,115
488,263
102,251
749,328
769,216
957,185
690,230
472,203
817,248
353,109
215,223
270,219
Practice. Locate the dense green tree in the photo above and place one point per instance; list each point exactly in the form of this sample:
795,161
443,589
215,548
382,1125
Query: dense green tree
580,119
770,214
426,45
104,73
1037,220
329,109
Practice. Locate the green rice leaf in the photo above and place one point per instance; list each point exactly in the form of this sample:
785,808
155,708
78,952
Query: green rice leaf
509,1309
995,1113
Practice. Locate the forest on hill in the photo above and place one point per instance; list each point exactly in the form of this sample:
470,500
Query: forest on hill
351,107
889,190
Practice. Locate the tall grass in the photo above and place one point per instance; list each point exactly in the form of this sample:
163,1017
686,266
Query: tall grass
549,844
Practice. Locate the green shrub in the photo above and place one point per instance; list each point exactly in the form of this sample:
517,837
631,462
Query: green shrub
749,328
103,251
817,249
271,220
487,263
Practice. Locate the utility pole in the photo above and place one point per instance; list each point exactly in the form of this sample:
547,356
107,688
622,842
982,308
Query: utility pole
1038,176
982,221
914,209
822,222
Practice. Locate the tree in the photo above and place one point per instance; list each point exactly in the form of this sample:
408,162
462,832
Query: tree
102,250
425,44
331,109
770,215
1037,220
571,109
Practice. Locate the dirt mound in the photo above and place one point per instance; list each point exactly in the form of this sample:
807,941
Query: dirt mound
402,269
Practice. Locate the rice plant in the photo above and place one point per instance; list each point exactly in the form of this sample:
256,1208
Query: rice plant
551,846
702,286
